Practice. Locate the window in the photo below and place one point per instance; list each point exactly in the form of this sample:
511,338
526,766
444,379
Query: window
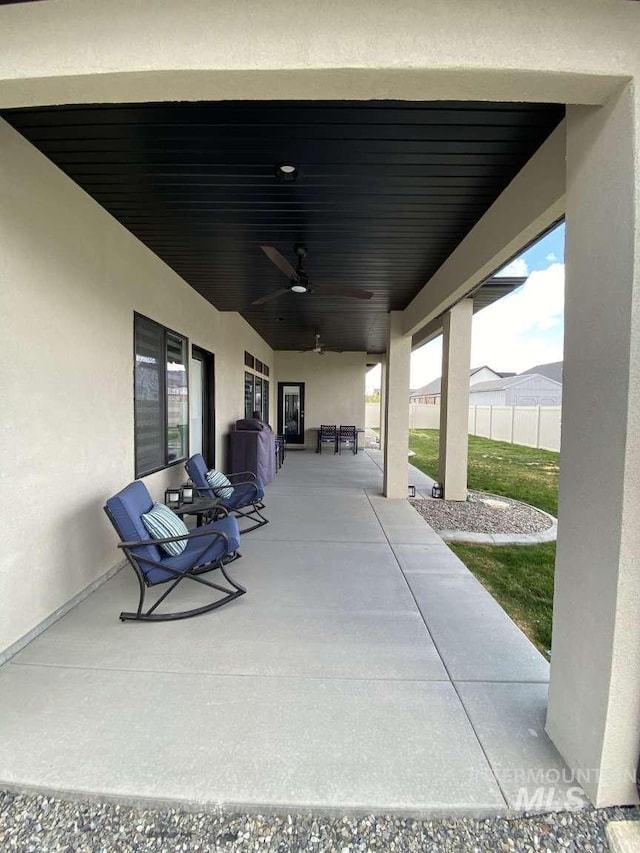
161,402
256,389
248,395
257,400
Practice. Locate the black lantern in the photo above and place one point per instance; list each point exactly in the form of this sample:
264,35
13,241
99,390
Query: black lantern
172,497
188,494
412,491
436,491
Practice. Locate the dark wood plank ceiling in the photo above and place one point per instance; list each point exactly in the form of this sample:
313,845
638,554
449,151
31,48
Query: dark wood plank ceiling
386,190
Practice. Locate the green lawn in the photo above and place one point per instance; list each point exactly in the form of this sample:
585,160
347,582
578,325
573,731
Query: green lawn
520,577
522,473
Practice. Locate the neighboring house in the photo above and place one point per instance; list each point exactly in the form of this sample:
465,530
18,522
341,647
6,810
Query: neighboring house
530,389
430,393
552,370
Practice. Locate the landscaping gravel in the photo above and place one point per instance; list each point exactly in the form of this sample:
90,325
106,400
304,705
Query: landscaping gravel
483,514
37,824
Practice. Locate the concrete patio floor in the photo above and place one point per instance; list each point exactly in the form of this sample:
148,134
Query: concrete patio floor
365,669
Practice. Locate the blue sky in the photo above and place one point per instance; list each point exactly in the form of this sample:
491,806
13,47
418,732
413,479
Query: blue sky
546,251
523,329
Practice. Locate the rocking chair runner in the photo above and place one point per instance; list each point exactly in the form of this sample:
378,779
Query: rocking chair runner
210,547
246,500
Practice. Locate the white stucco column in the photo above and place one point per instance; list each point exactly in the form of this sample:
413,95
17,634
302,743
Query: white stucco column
454,400
594,699
396,420
383,399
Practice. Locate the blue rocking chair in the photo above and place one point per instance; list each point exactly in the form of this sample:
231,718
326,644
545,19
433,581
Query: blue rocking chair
209,547
246,500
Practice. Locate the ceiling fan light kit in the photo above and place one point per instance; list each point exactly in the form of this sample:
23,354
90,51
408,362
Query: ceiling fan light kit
299,280
319,348
286,172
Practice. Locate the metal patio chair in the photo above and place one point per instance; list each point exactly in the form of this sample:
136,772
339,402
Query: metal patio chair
349,436
248,493
328,434
209,547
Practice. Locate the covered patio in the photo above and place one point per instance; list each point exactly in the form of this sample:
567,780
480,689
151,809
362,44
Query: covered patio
147,235
366,670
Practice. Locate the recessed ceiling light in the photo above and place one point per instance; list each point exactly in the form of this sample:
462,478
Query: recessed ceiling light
299,288
286,172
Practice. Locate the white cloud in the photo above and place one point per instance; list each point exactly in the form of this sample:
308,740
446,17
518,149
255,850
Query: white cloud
524,328
515,333
517,267
426,363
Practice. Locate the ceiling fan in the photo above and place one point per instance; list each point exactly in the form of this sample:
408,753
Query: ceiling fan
320,348
299,280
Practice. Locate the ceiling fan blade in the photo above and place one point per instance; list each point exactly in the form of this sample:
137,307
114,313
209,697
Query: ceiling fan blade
280,261
339,290
273,295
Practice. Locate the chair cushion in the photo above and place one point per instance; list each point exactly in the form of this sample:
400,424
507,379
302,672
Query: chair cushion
220,484
203,550
197,469
244,494
161,522
126,509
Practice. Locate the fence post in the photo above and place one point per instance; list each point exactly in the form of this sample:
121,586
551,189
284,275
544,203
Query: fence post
538,428
491,422
513,418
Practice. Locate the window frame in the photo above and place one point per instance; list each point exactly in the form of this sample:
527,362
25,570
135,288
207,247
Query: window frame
256,369
248,414
164,397
265,400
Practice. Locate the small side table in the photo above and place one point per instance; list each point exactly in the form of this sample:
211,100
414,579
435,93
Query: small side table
200,508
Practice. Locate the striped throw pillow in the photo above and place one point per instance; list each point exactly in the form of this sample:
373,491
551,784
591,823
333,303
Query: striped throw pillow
160,521
220,484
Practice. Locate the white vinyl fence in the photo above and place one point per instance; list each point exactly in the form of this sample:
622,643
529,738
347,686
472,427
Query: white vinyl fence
532,426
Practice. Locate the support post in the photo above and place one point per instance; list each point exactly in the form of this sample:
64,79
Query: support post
454,400
396,429
594,697
383,400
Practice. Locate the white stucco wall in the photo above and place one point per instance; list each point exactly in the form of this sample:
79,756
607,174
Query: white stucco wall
88,50
70,279
334,387
594,693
